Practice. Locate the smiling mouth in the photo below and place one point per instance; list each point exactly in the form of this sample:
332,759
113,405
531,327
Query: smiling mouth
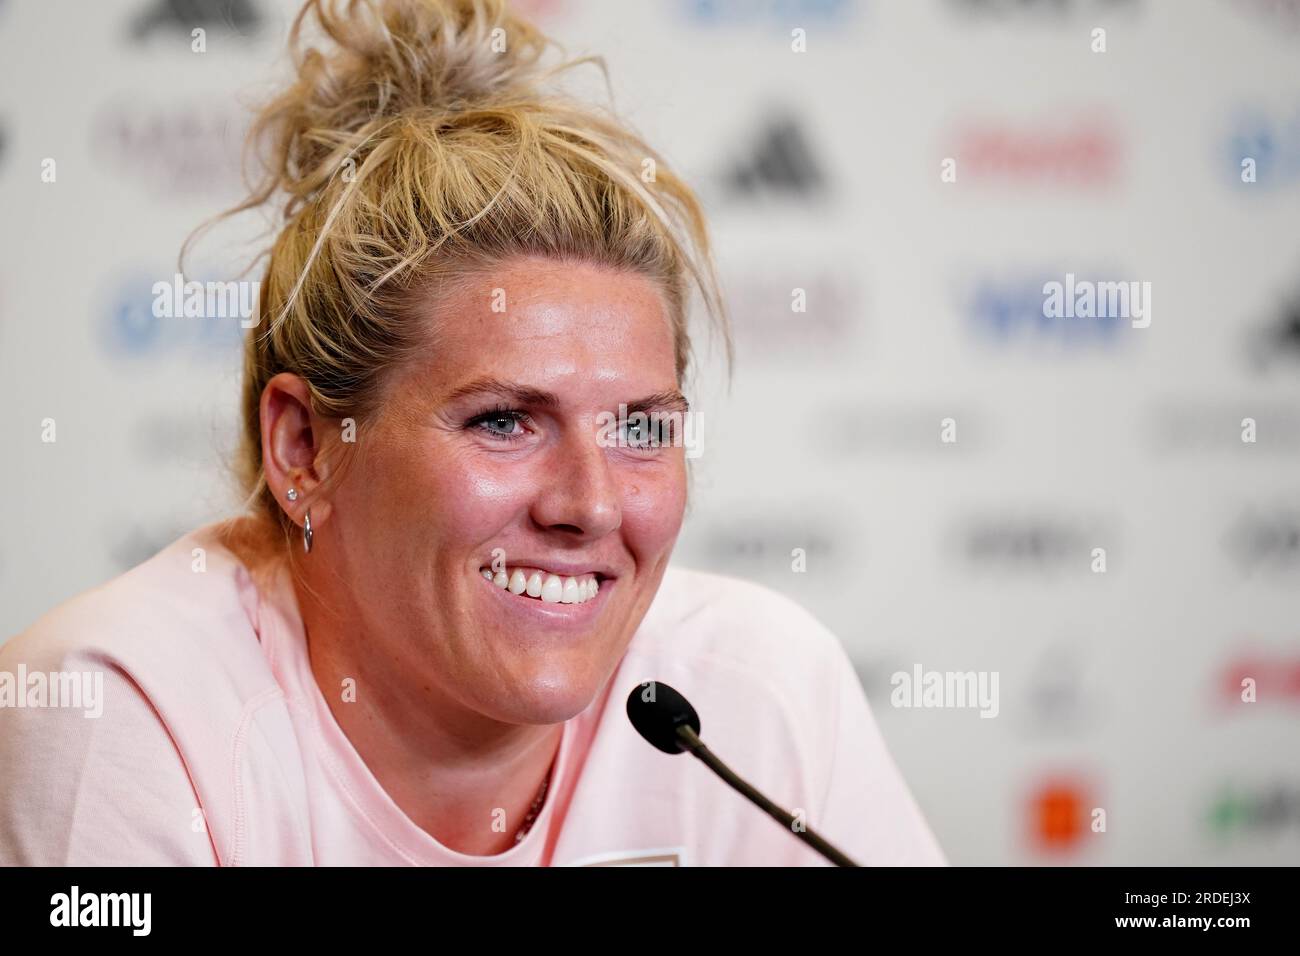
541,585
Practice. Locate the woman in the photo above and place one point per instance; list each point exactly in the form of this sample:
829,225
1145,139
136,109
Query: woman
416,647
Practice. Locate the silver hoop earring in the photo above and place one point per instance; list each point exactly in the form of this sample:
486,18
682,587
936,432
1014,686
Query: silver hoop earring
306,531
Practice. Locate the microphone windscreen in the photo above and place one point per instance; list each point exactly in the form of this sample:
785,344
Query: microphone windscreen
656,711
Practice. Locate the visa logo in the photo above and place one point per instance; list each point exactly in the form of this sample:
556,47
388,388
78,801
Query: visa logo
1011,311
1264,150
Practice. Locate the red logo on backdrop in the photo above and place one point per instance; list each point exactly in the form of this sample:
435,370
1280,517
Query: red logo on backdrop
1060,815
1080,153
1276,680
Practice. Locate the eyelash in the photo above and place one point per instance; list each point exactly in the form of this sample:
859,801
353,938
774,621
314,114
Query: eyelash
494,413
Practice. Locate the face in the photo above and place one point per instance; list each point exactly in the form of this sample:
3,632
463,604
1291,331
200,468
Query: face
502,451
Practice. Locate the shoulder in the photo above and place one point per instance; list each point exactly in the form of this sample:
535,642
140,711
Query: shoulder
741,625
189,611
778,698
123,714
756,664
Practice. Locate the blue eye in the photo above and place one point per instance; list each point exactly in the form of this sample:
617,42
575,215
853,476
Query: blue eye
638,434
642,431
499,424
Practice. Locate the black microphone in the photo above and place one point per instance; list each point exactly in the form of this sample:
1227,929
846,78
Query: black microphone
665,718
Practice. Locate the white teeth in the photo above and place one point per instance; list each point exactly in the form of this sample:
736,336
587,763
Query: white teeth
536,583
571,592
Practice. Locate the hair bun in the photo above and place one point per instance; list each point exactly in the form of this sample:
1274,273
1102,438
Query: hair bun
380,60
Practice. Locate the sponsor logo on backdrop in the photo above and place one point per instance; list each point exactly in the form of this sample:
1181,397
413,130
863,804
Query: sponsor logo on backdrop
716,13
1262,150
1265,540
1060,813
764,545
132,329
1030,543
1049,10
180,17
1052,153
843,430
1277,342
1263,811
777,161
1019,311
1262,679
816,308
1079,298
181,148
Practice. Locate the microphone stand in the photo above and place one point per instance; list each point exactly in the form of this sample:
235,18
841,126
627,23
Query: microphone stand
690,741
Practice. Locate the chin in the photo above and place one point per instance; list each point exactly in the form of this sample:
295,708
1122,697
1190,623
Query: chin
547,699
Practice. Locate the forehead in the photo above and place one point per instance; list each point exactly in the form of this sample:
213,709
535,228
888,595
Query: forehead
553,325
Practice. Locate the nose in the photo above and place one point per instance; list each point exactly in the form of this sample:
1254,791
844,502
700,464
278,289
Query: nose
581,494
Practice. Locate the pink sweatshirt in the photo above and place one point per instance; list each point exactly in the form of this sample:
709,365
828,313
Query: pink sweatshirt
214,745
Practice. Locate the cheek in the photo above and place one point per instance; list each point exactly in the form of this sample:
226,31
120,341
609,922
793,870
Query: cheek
468,499
410,497
653,508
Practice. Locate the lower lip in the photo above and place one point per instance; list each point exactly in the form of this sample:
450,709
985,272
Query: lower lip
550,614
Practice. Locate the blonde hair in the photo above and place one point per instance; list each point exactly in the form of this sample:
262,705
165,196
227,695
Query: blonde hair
419,145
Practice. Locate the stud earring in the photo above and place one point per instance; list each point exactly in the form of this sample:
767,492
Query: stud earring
292,494
306,532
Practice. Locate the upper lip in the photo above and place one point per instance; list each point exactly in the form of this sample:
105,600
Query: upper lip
566,568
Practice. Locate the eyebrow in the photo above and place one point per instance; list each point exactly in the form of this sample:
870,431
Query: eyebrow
670,400
520,394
